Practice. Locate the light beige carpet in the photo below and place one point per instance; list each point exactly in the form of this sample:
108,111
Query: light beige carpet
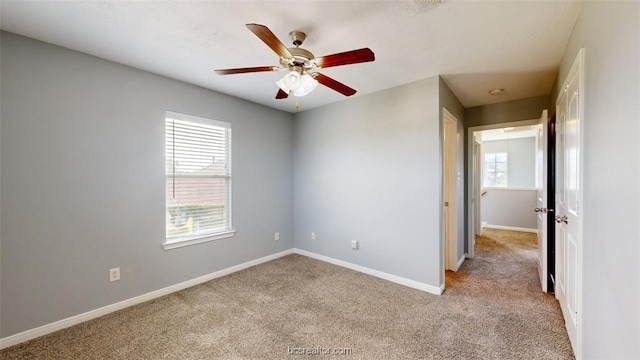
492,309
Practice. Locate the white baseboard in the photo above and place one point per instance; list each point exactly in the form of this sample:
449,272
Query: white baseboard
512,228
77,319
80,318
464,256
379,274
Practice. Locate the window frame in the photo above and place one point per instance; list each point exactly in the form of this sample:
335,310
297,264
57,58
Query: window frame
495,163
226,232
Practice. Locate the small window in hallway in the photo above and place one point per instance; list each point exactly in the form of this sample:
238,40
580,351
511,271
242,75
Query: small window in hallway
495,169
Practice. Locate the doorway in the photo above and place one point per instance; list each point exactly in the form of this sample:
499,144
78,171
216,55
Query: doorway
505,197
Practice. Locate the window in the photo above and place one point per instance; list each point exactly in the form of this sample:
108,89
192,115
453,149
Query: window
495,169
198,180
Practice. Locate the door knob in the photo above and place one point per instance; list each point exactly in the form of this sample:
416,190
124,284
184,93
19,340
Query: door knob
541,210
562,219
537,210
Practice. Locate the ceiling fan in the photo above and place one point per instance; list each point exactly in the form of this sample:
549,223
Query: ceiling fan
300,64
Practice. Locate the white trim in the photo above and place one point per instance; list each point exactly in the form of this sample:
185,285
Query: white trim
459,263
512,228
197,119
199,240
507,188
77,319
379,274
579,265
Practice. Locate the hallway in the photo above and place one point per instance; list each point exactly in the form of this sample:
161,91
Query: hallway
501,284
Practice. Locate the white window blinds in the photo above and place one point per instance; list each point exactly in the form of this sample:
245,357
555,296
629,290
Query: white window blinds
198,173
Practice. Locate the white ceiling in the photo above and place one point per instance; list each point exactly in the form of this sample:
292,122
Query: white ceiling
475,46
509,133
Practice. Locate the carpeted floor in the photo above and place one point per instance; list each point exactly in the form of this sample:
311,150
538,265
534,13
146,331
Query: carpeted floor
492,309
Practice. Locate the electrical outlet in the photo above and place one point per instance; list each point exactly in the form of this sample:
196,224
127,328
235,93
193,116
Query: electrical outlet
354,244
313,236
277,236
114,274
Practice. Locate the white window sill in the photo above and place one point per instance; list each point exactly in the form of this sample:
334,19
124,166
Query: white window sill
198,240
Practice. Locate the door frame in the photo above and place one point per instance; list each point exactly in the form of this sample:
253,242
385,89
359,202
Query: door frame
471,212
476,185
551,203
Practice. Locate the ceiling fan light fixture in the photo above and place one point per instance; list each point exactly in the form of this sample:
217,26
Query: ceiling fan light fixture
292,79
289,82
300,85
307,85
282,85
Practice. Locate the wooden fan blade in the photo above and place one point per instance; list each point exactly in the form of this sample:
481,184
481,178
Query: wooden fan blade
281,94
333,84
270,39
346,58
246,70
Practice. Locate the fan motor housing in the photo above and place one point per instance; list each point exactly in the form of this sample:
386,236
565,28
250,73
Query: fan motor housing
301,57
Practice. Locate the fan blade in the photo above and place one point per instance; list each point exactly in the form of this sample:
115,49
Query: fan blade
281,94
333,84
270,39
246,70
346,58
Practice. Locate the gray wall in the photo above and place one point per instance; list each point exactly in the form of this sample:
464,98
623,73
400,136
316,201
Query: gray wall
521,159
508,207
449,101
83,183
608,31
516,110
369,169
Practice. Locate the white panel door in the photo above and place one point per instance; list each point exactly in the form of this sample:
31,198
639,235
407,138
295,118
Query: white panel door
560,202
541,207
568,196
450,171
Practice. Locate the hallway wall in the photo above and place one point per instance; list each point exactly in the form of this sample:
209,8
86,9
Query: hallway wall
608,31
